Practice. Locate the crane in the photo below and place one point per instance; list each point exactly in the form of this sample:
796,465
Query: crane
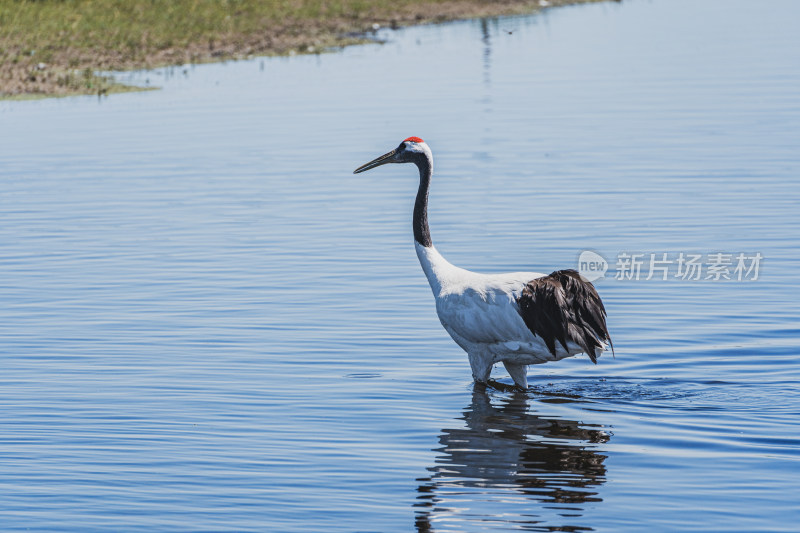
519,318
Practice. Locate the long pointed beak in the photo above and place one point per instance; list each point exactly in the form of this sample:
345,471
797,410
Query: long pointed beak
378,161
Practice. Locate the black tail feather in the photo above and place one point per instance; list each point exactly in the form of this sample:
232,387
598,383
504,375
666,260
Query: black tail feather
564,307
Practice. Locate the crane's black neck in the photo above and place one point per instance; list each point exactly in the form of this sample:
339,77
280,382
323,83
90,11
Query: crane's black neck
422,234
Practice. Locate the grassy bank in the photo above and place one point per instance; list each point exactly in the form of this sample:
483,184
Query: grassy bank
53,47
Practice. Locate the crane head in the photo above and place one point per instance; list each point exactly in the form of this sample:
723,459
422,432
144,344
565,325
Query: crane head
409,151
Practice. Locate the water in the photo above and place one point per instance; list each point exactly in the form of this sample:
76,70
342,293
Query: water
208,323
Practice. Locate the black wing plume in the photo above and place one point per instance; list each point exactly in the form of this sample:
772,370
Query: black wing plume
564,307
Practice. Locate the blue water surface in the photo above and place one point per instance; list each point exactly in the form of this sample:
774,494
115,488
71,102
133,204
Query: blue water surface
209,323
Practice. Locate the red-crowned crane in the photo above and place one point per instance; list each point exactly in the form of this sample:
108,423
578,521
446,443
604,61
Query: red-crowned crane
519,319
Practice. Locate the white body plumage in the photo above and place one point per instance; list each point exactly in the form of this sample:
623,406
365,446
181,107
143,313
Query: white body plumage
481,314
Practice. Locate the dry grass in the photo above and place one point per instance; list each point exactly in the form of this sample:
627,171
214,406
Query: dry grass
53,46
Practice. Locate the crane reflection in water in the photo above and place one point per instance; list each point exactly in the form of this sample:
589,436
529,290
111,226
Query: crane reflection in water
508,467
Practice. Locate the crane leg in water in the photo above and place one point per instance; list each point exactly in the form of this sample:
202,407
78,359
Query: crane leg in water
519,373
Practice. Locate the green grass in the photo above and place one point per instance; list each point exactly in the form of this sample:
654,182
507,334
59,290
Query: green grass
47,45
133,29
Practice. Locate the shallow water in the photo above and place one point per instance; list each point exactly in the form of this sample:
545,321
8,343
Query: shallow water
210,324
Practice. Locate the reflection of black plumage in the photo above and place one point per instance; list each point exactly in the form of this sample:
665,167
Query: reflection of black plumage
507,456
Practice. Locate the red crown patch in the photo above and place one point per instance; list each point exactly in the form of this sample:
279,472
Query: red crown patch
414,140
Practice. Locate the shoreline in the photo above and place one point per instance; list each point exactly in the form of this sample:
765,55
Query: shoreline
65,59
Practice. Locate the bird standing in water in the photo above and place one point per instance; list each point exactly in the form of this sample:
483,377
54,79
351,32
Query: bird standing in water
520,318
